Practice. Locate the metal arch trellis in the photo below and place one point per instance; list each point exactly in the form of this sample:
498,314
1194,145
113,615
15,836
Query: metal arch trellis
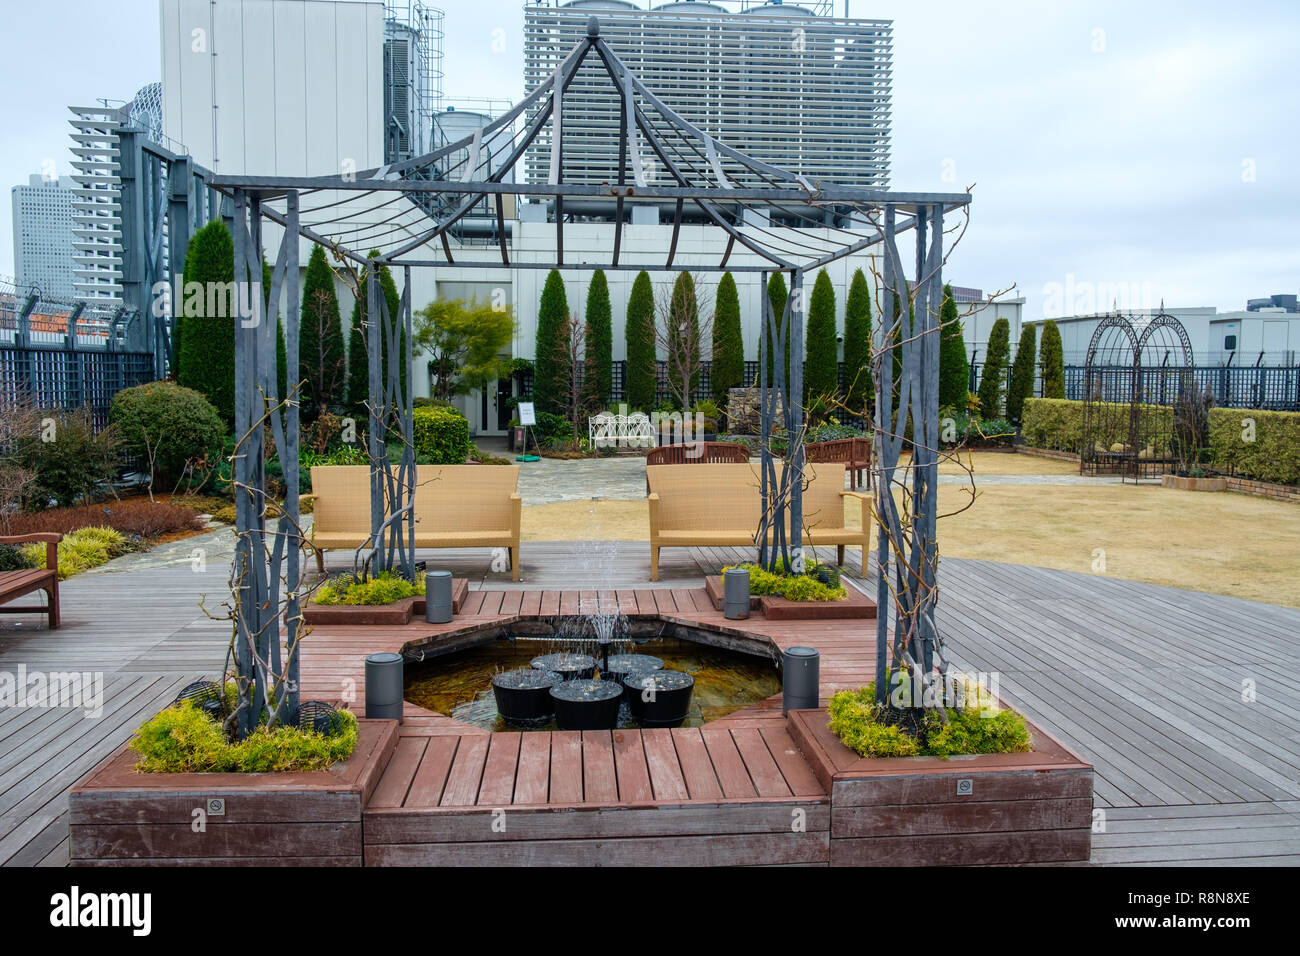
1135,371
350,212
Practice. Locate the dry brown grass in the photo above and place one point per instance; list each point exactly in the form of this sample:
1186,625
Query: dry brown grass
1224,543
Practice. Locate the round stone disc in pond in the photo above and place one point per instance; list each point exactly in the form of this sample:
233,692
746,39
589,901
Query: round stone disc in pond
660,698
586,704
620,664
568,666
524,696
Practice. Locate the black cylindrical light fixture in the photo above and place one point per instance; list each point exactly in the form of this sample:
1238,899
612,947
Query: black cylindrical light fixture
384,686
800,678
735,593
437,597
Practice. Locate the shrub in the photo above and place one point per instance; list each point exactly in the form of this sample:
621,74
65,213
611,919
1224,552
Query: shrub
205,323
183,739
821,368
1057,423
600,340
1022,373
728,369
857,344
384,588
641,373
14,558
995,365
954,369
552,322
866,728
552,429
1256,444
131,516
72,463
1051,360
169,427
81,550
441,436
794,587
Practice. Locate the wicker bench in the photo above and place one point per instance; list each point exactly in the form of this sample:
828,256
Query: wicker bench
456,506
14,584
853,453
719,505
697,453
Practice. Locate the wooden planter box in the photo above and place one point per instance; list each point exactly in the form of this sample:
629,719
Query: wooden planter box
395,614
1194,484
118,817
992,809
856,605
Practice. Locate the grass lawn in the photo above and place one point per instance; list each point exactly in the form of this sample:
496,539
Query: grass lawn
1222,543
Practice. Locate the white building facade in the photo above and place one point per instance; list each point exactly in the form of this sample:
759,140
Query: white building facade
42,221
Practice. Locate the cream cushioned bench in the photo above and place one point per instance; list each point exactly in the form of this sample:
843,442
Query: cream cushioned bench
456,506
719,505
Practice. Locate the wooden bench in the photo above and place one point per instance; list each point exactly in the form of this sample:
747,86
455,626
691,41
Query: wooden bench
456,506
719,505
853,453
697,453
14,584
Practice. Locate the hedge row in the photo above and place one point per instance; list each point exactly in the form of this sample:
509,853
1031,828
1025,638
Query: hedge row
1252,443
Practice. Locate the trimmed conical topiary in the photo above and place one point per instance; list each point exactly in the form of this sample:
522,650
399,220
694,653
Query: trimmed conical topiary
954,368
321,360
1051,360
1022,373
549,365
777,294
857,343
683,340
728,369
358,363
600,340
640,373
821,367
205,321
995,366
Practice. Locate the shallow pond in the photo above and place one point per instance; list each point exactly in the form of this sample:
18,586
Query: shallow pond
460,684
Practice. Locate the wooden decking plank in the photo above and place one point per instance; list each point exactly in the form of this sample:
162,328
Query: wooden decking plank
532,779
531,604
491,602
498,786
431,777
569,601
511,602
666,778
727,763
797,774
566,767
762,767
645,601
599,778
630,766
393,785
550,603
473,604
697,769
466,772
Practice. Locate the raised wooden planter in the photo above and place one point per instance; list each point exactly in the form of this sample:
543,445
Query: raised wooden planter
980,810
395,614
119,817
1194,484
856,605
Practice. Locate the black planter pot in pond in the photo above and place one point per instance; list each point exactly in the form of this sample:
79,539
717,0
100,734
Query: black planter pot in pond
586,704
660,698
568,666
620,665
524,695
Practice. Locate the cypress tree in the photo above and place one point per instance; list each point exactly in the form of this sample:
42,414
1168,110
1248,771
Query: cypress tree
684,338
600,340
1051,356
320,339
821,367
857,343
995,363
1022,373
728,369
281,353
548,374
954,368
358,341
640,375
205,358
776,295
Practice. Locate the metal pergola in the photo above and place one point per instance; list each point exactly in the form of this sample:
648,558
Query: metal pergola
406,211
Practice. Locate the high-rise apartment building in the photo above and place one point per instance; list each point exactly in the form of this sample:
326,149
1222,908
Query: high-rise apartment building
787,84
43,235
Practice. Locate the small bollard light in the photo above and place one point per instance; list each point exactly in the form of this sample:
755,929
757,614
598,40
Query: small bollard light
735,594
437,597
384,687
800,679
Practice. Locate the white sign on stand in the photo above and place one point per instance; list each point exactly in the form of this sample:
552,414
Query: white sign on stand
526,414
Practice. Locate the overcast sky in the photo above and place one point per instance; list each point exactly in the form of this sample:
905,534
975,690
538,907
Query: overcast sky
1151,148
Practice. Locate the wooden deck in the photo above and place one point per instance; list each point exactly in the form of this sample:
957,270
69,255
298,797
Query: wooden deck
1184,702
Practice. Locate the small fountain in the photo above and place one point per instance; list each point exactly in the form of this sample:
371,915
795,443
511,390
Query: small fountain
524,695
660,698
